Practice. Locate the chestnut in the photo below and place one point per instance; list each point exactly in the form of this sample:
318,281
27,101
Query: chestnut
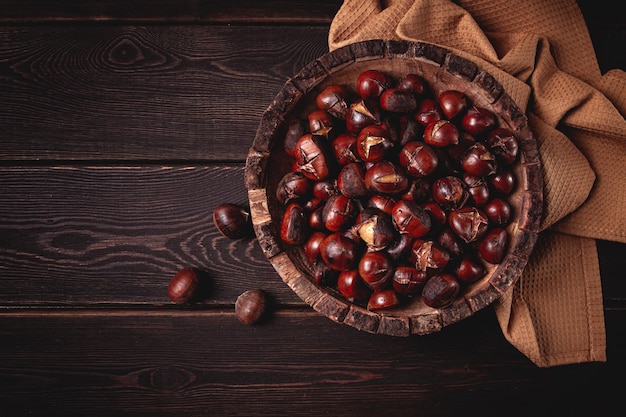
408,280
427,112
361,114
450,192
345,149
440,290
333,99
441,133
324,189
396,100
321,123
232,220
294,225
430,257
449,240
316,221
494,245
373,142
351,181
469,223
339,212
352,286
184,286
250,306
409,218
478,189
312,245
413,83
386,177
478,120
498,211
383,299
418,159
469,269
479,161
377,231
339,252
294,185
452,103
313,157
503,143
371,84
376,269
503,182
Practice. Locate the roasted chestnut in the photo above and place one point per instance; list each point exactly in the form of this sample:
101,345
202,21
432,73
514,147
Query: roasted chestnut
232,220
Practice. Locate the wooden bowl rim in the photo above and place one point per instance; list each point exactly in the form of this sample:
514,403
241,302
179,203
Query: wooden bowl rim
322,299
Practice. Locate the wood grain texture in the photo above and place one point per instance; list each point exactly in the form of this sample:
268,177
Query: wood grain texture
298,364
117,235
184,11
143,93
114,236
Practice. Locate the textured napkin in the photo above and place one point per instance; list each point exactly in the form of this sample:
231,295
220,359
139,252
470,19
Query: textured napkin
541,52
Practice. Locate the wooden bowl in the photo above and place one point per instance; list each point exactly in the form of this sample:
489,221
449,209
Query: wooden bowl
267,162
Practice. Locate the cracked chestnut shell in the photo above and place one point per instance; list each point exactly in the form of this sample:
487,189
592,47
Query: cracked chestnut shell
333,99
294,185
373,142
339,213
411,219
376,269
419,159
441,133
408,280
386,177
313,157
361,114
450,192
377,231
440,290
469,223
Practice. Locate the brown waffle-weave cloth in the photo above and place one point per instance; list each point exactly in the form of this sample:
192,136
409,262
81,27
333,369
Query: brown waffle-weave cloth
541,52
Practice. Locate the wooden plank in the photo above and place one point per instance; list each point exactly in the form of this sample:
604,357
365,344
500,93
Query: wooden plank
143,93
185,11
117,235
297,364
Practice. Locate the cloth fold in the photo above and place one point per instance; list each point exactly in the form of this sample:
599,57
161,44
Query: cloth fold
541,52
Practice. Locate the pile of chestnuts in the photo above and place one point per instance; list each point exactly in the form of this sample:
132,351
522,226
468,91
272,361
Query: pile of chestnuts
396,192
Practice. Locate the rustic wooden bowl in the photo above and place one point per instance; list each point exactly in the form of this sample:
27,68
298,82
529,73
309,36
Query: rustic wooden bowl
267,163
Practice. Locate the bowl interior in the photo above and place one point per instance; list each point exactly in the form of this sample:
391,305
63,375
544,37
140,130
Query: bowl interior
268,162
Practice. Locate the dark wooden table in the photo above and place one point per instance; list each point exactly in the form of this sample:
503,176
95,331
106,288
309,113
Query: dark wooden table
123,124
